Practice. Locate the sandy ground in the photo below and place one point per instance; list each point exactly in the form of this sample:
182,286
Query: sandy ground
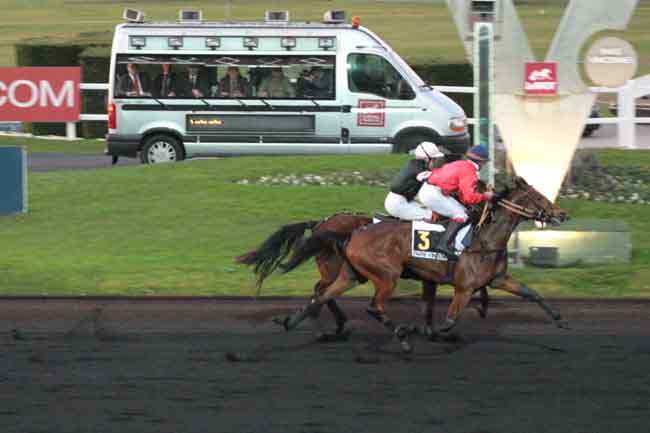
221,365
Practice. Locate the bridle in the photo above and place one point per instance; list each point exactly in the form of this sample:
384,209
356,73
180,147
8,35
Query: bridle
542,215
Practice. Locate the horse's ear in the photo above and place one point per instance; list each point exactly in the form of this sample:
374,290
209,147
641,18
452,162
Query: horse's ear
520,182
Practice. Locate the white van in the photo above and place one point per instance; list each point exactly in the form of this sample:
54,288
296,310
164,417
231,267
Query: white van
184,89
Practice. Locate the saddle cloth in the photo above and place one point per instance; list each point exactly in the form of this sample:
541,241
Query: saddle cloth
426,236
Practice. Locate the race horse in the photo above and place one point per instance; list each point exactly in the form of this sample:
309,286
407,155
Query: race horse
381,253
266,258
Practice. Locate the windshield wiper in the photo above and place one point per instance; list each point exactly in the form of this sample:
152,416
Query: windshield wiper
426,86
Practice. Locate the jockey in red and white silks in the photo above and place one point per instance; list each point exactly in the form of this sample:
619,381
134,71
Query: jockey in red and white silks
457,177
405,186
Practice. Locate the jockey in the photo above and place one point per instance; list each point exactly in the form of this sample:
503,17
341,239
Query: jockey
405,186
458,177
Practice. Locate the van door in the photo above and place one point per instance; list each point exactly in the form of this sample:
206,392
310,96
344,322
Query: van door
380,100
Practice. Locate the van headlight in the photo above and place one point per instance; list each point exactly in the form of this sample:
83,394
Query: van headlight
458,124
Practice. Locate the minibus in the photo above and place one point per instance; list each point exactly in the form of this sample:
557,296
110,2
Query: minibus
191,88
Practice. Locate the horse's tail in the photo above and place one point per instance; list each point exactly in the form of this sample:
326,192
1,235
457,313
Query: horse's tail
275,249
326,241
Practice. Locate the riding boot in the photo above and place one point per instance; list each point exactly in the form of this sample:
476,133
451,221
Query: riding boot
448,236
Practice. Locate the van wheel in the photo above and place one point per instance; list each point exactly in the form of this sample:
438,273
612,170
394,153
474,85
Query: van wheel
161,148
409,142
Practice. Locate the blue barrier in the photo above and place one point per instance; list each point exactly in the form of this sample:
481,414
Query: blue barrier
13,180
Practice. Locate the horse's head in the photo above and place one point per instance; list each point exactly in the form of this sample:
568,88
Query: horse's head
525,200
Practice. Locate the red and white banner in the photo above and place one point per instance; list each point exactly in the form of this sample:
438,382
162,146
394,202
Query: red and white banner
40,94
540,79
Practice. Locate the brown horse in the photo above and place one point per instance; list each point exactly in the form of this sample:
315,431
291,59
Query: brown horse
381,253
267,257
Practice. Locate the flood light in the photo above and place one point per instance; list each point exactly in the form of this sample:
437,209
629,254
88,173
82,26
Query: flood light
213,43
288,43
250,42
334,17
277,16
133,15
190,16
175,42
326,43
138,41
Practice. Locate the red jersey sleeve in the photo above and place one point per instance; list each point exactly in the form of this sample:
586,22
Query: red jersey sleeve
467,188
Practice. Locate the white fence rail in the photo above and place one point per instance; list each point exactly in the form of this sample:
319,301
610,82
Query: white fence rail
626,115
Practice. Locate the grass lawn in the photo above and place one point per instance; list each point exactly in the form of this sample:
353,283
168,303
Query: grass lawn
175,229
420,32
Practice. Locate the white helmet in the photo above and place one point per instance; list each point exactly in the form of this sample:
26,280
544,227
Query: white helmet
427,150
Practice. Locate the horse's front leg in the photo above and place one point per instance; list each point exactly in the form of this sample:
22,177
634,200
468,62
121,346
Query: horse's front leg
515,287
461,298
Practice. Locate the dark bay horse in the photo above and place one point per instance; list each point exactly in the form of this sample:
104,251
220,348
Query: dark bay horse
266,258
381,253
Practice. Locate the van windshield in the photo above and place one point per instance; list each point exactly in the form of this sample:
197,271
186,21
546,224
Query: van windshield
220,76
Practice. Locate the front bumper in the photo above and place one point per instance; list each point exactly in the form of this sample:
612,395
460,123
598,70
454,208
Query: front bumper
123,145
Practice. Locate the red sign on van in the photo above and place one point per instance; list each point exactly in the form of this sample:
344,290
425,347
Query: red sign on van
377,118
40,94
541,79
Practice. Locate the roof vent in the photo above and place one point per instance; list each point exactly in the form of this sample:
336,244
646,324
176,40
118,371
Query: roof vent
190,16
334,17
277,16
133,16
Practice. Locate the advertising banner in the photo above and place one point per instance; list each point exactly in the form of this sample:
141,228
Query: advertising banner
47,94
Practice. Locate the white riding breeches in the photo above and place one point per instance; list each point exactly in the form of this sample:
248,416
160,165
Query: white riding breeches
398,206
432,197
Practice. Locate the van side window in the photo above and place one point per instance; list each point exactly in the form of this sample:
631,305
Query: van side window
369,73
220,76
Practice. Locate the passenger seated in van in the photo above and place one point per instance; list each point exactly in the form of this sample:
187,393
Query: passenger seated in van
164,86
233,85
276,86
195,83
317,83
134,83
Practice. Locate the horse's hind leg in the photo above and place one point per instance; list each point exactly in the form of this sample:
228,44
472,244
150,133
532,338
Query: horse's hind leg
484,300
383,290
339,317
344,281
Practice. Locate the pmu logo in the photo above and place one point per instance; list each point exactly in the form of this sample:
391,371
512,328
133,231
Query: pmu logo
541,79
39,94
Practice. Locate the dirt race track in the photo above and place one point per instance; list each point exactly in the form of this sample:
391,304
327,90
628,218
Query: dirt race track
220,365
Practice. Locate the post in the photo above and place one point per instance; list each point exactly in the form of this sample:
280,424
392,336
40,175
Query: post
626,115
483,98
71,130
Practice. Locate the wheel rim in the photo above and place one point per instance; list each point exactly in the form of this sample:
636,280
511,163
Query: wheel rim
161,152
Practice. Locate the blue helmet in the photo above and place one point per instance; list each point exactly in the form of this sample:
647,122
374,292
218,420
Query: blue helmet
479,153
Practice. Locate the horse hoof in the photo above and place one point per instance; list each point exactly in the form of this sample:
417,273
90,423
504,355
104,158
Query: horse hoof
450,336
481,312
406,347
562,324
283,321
330,338
447,325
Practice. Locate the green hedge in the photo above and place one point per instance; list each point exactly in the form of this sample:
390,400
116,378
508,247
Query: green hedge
57,52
